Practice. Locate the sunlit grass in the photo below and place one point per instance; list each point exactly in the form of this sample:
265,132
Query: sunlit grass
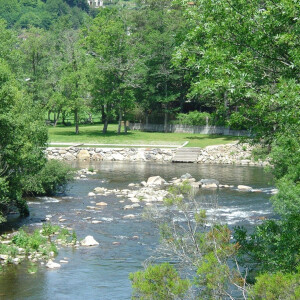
93,134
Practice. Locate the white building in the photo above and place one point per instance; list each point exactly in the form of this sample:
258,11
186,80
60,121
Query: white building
95,3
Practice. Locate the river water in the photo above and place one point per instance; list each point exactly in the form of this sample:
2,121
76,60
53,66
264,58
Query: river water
102,272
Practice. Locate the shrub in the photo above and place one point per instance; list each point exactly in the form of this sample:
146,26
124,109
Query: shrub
195,118
273,246
276,286
51,179
158,282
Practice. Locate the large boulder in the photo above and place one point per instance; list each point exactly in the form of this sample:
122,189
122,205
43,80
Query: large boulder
83,155
89,241
155,180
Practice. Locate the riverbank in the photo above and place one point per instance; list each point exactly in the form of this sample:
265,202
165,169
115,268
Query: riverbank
235,153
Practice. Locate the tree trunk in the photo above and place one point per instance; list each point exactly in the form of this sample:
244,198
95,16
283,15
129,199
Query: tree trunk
64,118
147,119
166,122
125,125
90,118
56,120
49,115
76,121
226,105
120,121
104,119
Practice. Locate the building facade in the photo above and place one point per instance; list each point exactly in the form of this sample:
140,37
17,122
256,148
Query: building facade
95,3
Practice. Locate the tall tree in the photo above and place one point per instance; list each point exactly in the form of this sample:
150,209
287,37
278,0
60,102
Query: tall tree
239,51
74,85
155,31
23,136
108,42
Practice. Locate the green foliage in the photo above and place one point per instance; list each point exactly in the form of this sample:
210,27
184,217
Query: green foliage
49,229
276,286
176,194
43,14
200,217
52,178
160,282
29,242
285,155
36,246
273,246
114,66
230,52
23,136
287,200
195,118
213,276
4,199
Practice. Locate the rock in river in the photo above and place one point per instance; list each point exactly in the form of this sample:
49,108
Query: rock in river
155,180
244,188
89,241
52,265
209,183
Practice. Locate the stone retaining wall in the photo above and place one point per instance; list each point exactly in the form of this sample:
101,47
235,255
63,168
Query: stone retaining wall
239,154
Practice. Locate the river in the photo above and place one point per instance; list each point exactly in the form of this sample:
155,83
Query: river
102,272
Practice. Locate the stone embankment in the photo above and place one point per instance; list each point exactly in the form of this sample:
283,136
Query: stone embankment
239,154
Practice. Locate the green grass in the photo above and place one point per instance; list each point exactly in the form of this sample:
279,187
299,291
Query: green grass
93,134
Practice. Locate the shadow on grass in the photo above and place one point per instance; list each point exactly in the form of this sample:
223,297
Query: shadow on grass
91,133
212,136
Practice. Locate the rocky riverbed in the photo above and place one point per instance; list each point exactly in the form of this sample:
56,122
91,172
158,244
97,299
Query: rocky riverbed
125,238
238,154
155,189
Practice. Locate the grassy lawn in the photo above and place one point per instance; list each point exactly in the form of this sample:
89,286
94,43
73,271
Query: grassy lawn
93,134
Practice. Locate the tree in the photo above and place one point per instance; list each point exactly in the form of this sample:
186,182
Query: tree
73,83
23,136
240,51
155,30
36,46
108,41
10,11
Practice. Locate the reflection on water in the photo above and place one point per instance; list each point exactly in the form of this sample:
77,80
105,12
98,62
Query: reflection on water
102,272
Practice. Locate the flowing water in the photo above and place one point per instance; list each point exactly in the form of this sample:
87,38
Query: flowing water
102,272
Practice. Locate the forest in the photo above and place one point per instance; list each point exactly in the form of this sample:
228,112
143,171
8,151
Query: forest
234,62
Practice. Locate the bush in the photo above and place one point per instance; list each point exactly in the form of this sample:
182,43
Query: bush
195,118
51,179
273,246
158,282
276,286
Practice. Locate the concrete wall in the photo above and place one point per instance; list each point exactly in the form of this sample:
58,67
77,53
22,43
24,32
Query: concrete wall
189,129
